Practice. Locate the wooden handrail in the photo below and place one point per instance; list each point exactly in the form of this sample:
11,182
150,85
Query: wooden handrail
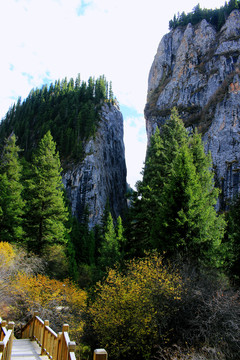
3,329
6,339
55,346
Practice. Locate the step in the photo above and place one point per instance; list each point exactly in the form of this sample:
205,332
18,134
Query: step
26,349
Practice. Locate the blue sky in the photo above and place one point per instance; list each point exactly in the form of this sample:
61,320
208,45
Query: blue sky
45,40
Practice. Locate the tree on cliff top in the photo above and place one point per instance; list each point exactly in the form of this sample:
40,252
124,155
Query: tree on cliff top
216,17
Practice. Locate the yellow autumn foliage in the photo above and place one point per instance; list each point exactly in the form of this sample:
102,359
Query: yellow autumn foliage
131,310
22,292
42,290
7,254
58,301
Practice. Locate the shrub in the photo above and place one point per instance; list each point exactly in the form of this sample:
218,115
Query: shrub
209,314
132,309
57,301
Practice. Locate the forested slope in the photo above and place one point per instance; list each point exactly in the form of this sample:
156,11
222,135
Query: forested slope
69,109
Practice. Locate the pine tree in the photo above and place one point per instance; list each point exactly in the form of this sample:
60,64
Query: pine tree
233,4
109,251
46,211
177,197
91,247
161,152
187,221
78,81
11,202
111,93
231,245
120,236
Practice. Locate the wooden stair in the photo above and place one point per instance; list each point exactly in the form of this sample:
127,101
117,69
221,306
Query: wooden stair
26,349
39,342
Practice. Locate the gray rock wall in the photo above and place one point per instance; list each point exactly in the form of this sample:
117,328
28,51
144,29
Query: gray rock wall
102,174
197,70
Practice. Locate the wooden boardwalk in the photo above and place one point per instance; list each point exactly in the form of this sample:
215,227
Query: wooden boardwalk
26,349
53,346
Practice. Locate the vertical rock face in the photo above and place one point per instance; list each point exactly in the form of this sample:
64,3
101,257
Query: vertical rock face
101,177
197,70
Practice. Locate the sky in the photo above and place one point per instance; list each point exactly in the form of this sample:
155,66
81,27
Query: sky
46,40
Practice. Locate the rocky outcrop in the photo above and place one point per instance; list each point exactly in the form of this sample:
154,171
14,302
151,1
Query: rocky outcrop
197,69
101,177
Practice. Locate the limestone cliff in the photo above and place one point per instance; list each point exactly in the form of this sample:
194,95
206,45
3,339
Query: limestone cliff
197,69
101,177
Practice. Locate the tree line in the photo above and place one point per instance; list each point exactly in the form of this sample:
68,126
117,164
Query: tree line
216,17
69,109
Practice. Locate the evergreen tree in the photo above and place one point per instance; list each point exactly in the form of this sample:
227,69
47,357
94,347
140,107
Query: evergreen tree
186,221
110,92
11,202
46,210
91,247
161,152
175,204
109,251
233,4
119,231
78,81
216,17
231,245
120,236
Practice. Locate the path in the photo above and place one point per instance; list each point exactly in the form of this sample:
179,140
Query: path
26,349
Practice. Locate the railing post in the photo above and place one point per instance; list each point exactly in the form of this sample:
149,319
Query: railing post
65,328
9,346
32,329
71,346
10,325
64,349
46,323
59,346
100,354
3,325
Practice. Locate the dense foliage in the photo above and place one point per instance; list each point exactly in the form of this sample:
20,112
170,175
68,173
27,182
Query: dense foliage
69,109
216,17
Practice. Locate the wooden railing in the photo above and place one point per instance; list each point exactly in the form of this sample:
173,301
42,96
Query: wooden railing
55,346
6,339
